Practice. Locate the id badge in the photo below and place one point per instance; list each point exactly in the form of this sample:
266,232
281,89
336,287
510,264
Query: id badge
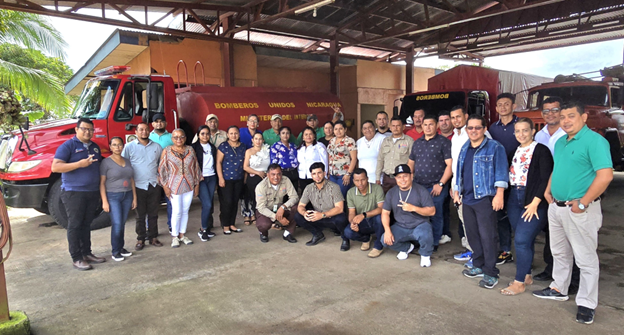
274,208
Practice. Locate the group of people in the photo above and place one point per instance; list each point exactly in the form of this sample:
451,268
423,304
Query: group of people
387,189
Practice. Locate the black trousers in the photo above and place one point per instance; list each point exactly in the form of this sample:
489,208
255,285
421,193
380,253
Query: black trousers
80,208
293,175
338,222
228,201
482,230
148,202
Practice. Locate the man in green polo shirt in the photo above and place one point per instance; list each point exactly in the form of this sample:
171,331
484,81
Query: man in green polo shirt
365,202
160,134
312,122
582,172
272,136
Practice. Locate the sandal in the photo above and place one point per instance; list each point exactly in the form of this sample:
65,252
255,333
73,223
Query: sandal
509,291
247,221
253,220
528,280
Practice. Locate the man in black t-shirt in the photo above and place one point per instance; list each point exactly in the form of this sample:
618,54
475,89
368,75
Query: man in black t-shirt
412,206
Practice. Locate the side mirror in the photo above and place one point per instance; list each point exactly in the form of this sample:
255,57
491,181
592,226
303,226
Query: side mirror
26,124
395,111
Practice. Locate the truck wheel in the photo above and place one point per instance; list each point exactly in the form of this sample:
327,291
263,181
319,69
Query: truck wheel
57,210
616,151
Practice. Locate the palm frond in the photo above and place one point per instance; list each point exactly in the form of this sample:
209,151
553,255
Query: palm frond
32,31
41,87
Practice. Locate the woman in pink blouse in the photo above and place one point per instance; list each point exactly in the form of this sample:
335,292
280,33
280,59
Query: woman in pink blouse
179,175
342,153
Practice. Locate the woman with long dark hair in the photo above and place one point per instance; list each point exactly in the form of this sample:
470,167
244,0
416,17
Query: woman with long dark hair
230,158
257,161
310,151
206,154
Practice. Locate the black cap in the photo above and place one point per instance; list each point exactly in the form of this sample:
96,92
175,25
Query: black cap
403,168
158,116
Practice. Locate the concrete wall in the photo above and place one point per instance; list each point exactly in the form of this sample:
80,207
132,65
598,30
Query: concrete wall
245,66
310,80
141,64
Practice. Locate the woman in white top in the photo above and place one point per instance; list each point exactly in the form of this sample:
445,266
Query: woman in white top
206,154
257,161
368,149
309,153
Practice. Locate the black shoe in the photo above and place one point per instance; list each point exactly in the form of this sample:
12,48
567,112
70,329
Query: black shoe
203,235
316,239
264,238
125,252
542,276
504,257
435,248
573,289
549,293
290,238
585,315
169,230
336,233
210,234
346,245
117,257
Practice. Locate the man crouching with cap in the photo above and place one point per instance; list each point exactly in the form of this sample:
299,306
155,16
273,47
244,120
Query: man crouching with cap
412,206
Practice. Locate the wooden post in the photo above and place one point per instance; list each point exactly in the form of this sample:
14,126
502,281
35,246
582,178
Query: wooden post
409,71
227,53
333,66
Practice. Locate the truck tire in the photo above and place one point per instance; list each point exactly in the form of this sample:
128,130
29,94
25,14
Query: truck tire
616,150
57,210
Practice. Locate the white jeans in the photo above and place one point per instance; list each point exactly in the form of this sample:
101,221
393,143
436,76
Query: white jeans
180,204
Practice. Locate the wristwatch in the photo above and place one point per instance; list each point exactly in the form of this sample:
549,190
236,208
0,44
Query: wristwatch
324,216
441,184
364,214
581,206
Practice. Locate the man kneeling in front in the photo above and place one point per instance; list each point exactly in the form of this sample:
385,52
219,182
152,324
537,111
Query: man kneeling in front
271,210
412,206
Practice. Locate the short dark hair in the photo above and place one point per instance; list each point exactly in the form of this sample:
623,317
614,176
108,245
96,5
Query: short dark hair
477,117
552,100
317,165
368,121
140,123
252,115
580,107
342,123
460,107
360,171
285,127
230,127
444,113
431,117
526,120
115,138
274,166
420,109
397,118
509,96
83,120
382,112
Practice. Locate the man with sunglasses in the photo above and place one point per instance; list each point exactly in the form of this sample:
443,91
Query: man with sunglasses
482,177
161,136
78,162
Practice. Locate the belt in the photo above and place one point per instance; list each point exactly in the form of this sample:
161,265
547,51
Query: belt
563,203
389,175
289,169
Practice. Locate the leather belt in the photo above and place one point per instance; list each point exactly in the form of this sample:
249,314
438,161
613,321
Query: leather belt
563,203
389,175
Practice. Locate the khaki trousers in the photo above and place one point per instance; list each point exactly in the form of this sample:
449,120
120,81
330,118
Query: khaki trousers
572,236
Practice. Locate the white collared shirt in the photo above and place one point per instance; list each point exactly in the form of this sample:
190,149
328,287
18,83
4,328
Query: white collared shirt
544,137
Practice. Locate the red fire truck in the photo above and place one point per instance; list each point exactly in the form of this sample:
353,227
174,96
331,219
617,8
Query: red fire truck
117,103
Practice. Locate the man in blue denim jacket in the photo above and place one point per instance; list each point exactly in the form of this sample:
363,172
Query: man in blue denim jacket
482,176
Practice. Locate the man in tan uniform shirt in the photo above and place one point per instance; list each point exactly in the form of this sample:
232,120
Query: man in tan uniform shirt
271,210
394,151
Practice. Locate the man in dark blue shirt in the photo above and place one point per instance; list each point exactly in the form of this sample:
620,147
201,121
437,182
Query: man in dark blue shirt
503,132
78,161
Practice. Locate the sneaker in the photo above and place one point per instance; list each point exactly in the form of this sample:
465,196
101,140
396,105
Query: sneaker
175,242
365,246
118,257
488,281
203,235
550,293
169,230
464,242
125,252
473,273
468,265
210,234
425,261
504,257
445,239
186,240
464,256
585,315
403,255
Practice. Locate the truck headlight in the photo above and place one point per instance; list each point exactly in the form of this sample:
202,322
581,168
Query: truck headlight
23,166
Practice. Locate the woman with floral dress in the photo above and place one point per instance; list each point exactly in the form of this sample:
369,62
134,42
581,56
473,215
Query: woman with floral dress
284,153
342,153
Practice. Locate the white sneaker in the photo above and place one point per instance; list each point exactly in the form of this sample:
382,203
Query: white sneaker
186,240
403,255
465,242
425,261
175,242
445,239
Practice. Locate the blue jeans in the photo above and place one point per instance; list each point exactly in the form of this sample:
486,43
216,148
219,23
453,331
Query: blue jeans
437,221
120,204
206,195
343,188
403,237
367,227
525,232
169,209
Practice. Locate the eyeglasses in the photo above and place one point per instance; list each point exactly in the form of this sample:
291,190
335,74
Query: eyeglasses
552,110
86,130
477,128
178,137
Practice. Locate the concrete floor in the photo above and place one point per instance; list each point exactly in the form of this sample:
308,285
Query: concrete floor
237,285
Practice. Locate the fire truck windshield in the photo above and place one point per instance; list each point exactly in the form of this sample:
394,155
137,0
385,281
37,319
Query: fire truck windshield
588,95
96,99
431,102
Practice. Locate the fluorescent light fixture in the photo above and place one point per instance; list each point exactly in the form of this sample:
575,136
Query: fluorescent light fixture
313,6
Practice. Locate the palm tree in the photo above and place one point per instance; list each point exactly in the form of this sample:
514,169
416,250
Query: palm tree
32,31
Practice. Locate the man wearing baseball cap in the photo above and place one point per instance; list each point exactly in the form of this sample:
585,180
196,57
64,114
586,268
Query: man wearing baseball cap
217,136
312,122
271,136
412,206
160,134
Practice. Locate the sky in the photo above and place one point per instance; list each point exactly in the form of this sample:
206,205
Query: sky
84,38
